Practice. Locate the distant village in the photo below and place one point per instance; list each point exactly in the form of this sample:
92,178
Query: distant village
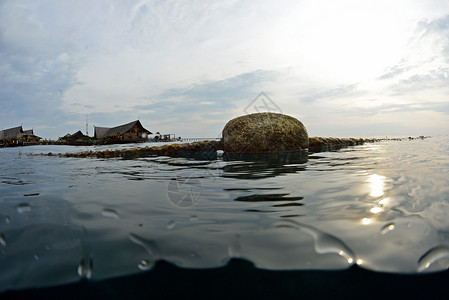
132,132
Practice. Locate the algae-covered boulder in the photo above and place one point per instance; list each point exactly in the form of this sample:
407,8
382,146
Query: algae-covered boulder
264,133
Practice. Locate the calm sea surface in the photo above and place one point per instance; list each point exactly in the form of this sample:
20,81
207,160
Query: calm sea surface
382,206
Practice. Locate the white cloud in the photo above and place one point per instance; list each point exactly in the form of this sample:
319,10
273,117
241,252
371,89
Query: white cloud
321,61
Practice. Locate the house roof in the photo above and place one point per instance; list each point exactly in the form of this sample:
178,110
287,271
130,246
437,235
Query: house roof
28,132
77,135
15,133
105,131
12,133
101,132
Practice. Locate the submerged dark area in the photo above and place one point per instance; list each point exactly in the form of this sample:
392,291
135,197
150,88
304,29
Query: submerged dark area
240,279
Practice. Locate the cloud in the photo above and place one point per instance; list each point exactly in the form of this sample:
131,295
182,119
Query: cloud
37,66
426,63
187,67
439,27
211,103
341,91
234,88
395,70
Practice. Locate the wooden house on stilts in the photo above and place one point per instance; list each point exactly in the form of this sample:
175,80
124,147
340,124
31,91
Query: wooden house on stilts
131,132
16,136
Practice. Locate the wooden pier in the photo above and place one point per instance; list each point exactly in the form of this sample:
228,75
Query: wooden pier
199,139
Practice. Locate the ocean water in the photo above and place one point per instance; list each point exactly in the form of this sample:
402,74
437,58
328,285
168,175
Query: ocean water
380,206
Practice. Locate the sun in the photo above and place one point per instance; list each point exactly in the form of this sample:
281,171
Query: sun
350,41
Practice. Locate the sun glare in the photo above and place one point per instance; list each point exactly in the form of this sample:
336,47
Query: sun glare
366,221
350,44
377,183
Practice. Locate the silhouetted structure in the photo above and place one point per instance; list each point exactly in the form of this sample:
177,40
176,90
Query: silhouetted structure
77,136
17,136
131,132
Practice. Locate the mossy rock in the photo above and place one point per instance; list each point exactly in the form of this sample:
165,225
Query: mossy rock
264,133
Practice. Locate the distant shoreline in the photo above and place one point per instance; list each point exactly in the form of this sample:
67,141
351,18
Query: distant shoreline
209,148
313,142
100,142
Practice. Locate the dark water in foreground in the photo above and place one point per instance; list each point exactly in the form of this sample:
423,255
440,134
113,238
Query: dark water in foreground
380,207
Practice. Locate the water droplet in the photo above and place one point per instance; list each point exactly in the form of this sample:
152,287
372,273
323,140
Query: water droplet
171,225
387,228
194,218
235,249
150,246
110,213
2,240
324,243
36,256
431,256
7,220
359,261
144,265
85,268
23,207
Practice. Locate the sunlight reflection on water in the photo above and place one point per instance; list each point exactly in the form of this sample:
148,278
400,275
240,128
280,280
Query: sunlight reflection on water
377,185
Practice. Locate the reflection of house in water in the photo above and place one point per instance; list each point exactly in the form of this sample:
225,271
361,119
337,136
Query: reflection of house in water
131,132
17,136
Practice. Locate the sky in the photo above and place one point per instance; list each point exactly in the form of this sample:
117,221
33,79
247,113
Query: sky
343,68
